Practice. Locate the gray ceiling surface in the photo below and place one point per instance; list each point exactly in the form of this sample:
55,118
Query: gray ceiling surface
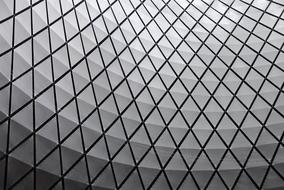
141,94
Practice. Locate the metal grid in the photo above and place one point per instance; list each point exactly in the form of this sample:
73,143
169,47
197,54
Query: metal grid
153,94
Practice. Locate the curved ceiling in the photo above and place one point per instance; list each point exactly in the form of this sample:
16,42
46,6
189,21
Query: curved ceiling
141,94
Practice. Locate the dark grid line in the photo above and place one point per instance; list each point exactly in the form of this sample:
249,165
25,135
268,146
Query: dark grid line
10,99
74,90
55,97
33,103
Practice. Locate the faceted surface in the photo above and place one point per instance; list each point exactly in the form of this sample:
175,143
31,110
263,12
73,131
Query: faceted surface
141,94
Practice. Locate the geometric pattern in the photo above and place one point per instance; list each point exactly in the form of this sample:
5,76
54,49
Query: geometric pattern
141,94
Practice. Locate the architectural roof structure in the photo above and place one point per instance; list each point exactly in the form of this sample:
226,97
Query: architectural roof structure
141,94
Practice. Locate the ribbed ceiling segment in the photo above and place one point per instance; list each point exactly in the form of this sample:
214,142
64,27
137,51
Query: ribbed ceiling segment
141,94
